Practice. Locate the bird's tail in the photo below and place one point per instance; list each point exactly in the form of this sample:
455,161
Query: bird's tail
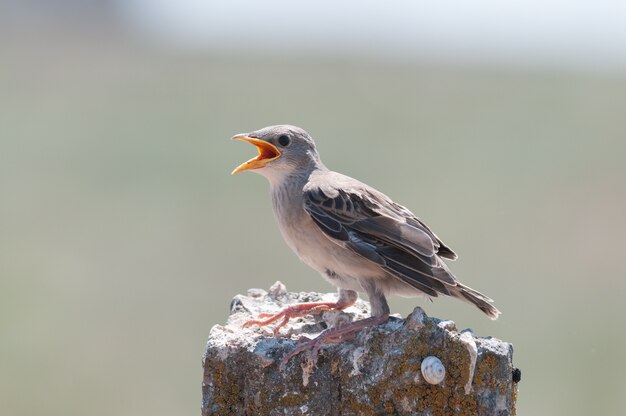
476,298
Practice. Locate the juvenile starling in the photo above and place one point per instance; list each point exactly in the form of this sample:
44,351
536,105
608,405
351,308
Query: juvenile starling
355,236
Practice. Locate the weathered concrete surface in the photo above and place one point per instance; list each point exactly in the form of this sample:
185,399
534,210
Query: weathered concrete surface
378,372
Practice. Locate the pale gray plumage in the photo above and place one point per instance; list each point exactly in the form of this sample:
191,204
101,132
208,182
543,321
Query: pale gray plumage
355,236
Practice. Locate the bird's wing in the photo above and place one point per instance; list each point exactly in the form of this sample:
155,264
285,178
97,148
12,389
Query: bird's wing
370,224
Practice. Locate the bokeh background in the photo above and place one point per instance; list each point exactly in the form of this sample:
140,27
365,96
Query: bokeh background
123,236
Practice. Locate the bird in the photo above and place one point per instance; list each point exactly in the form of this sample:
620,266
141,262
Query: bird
355,236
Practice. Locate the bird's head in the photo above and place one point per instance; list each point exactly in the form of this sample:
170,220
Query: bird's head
282,150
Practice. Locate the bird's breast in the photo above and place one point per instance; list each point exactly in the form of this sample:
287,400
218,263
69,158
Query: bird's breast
304,238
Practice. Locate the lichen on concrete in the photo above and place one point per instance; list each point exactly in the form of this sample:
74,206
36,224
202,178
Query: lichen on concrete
377,372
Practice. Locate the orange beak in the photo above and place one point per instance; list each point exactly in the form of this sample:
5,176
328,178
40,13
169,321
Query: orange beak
267,153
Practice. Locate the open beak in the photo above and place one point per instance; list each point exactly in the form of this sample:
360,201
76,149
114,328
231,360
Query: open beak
267,153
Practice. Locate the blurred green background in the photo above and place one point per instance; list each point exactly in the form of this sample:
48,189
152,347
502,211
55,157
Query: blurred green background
123,236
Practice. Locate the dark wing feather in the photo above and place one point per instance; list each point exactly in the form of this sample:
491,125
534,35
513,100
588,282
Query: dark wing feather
385,233
443,250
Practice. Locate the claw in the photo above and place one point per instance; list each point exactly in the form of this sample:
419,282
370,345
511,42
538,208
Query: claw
333,336
280,325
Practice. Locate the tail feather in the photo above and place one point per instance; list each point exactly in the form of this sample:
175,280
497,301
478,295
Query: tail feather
476,298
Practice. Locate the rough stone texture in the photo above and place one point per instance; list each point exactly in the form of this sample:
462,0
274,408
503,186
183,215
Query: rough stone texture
376,373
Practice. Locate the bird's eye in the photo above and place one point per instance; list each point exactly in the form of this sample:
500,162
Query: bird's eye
284,140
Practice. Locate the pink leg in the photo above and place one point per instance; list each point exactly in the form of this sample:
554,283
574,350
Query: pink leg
298,310
335,336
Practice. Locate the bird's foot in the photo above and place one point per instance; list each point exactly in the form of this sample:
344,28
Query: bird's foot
293,311
333,336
